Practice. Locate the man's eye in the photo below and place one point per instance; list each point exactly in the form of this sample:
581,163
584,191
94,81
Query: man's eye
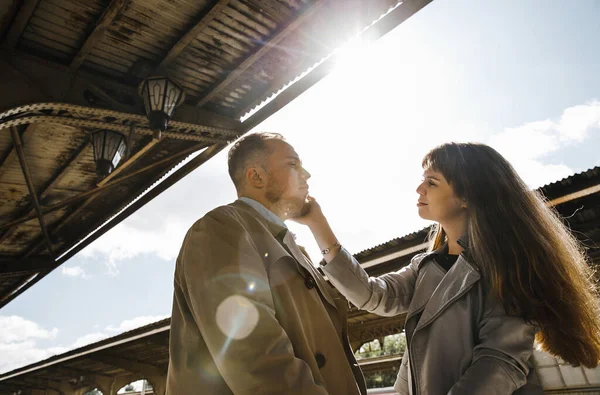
431,184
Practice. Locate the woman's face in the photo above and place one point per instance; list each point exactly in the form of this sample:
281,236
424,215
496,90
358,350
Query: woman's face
437,201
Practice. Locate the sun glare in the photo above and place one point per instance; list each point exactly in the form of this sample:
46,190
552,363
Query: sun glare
353,57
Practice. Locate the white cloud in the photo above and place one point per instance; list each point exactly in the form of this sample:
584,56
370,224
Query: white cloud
18,338
14,329
15,355
530,141
125,242
136,322
526,145
576,122
73,271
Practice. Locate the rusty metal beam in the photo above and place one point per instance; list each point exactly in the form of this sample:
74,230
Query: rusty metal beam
25,266
12,155
94,196
575,195
57,77
78,155
103,184
21,20
59,175
28,180
105,20
92,192
278,36
192,33
11,7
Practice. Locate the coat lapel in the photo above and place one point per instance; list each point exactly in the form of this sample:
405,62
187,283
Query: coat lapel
283,236
459,279
430,276
293,248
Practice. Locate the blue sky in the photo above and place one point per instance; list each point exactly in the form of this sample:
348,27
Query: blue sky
519,75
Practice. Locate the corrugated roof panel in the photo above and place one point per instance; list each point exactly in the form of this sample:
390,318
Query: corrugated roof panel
59,27
573,377
550,377
592,375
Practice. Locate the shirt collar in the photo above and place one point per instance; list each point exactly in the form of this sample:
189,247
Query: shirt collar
263,211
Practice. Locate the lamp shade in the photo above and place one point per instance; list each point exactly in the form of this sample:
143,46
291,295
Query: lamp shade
160,96
109,148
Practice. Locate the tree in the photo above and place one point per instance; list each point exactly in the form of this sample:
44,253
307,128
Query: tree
392,345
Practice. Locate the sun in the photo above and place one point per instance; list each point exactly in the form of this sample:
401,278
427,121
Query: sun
353,58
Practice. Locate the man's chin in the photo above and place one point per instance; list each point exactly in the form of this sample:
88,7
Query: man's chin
296,209
291,214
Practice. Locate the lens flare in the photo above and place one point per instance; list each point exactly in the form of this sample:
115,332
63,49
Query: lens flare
237,317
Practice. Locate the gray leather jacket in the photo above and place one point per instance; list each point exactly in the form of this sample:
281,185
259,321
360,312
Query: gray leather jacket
458,342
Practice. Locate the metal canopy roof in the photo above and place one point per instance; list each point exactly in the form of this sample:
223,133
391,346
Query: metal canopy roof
70,67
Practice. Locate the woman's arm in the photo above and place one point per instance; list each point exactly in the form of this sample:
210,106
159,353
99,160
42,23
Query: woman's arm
387,295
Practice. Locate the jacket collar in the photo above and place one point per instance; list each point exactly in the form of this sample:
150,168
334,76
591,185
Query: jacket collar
462,241
457,281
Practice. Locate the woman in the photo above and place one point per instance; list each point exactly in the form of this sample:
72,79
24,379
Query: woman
502,270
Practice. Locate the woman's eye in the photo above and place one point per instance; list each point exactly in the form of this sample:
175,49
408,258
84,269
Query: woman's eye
431,184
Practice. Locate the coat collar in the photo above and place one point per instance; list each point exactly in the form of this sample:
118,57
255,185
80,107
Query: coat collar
262,210
454,284
273,228
436,289
286,239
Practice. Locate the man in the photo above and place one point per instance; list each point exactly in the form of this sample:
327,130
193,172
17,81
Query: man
251,314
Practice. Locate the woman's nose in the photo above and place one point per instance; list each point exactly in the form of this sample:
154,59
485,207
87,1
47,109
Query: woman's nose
421,189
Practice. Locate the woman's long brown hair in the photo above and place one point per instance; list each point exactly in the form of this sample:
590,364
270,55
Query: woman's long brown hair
528,257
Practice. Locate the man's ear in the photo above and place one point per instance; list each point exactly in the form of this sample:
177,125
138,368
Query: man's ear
256,177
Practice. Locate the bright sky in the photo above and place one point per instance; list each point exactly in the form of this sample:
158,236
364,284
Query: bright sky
521,76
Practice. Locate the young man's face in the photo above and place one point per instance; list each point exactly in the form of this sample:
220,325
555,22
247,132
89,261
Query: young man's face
287,185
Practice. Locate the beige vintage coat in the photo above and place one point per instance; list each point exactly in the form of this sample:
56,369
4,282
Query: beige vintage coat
292,336
458,342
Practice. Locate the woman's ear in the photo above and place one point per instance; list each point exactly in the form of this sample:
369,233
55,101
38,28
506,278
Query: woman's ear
464,203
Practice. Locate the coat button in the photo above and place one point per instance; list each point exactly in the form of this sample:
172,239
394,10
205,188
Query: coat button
309,282
320,360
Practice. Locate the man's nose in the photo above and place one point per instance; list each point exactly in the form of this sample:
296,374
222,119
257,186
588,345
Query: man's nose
305,173
421,189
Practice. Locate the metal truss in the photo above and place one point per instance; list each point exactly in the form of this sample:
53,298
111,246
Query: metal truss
95,118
